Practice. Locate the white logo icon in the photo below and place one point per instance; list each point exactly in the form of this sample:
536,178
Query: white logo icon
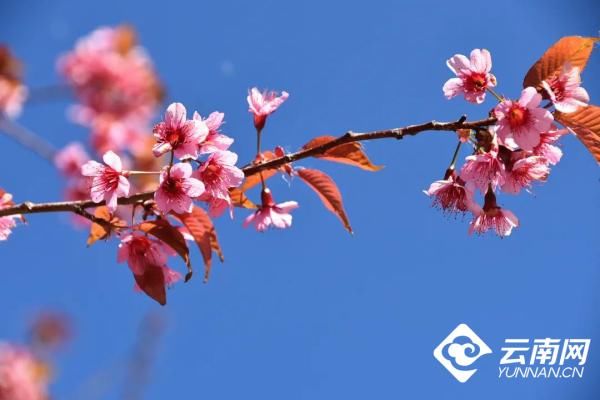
459,351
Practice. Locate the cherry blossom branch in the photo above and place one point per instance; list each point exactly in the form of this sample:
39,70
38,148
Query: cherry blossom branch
27,139
79,207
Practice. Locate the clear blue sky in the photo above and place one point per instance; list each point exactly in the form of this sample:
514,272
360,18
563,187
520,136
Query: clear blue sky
311,312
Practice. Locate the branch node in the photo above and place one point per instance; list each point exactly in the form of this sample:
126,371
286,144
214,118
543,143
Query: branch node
462,119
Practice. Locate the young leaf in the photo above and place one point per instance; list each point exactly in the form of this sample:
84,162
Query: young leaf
573,49
239,199
347,153
152,282
102,231
163,230
328,192
586,124
202,229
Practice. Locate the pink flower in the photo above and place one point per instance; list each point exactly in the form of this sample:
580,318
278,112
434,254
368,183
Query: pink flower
473,76
22,375
546,147
523,121
451,194
146,257
219,173
215,140
271,214
263,104
7,223
70,159
565,90
178,134
109,182
491,216
483,169
523,172
177,188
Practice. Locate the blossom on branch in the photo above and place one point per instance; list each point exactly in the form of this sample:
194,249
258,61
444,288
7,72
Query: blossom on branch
179,134
521,122
219,174
565,90
451,194
493,217
271,214
177,189
7,223
215,140
262,104
473,76
108,181
70,159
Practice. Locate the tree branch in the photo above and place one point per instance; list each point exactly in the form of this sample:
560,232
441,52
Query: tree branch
396,133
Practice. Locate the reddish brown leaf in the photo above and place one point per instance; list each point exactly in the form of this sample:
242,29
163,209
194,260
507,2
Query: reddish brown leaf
202,229
586,124
573,49
163,230
239,199
103,231
328,192
347,153
152,282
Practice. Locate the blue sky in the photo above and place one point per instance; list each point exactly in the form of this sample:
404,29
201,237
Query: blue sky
312,312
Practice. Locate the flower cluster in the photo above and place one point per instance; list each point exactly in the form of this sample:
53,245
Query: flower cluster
7,223
12,92
22,375
116,86
511,155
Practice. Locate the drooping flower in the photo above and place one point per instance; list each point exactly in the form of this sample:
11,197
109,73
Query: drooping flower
215,140
219,173
179,134
547,148
147,259
261,105
483,169
451,194
565,90
7,223
521,173
524,120
70,159
473,76
177,189
492,216
12,92
22,375
108,181
271,214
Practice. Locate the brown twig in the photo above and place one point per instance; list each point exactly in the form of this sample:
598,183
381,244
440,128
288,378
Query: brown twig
396,133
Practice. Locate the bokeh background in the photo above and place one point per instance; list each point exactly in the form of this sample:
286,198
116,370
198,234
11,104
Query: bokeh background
312,312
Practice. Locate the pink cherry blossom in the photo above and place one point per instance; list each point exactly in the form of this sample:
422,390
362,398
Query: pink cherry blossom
263,104
473,76
492,216
523,172
483,169
179,134
108,181
70,159
177,188
7,223
215,140
565,90
22,375
219,173
523,121
271,214
547,148
140,252
451,194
